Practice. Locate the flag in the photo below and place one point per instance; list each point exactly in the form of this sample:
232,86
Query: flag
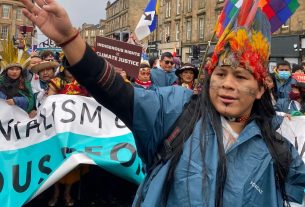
278,11
230,9
148,21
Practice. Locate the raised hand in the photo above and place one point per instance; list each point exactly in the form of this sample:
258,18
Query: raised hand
50,18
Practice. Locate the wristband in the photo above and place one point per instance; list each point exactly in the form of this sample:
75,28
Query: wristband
69,40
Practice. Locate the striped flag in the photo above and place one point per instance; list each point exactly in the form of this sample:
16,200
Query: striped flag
149,20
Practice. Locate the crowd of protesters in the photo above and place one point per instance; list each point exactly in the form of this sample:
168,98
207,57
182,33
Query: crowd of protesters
43,75
237,102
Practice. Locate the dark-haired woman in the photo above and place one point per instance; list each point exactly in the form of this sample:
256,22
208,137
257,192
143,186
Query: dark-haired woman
295,104
186,75
230,157
15,89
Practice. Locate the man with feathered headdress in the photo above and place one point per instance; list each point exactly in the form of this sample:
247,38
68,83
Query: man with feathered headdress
227,153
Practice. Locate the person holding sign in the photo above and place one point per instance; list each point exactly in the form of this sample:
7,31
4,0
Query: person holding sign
14,88
228,153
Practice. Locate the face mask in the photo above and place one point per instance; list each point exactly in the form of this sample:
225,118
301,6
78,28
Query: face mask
284,75
294,96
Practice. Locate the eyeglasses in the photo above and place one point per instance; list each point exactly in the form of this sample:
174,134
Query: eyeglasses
168,62
144,73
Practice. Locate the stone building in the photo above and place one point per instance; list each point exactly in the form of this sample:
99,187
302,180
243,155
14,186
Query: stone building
89,32
122,17
13,22
186,27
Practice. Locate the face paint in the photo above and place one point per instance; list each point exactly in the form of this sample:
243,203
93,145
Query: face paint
233,91
240,91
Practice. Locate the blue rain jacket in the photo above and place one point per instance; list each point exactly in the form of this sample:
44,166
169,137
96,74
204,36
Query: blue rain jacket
283,89
160,78
250,172
285,105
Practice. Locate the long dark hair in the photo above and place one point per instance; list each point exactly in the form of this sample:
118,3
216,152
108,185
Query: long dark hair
18,84
262,113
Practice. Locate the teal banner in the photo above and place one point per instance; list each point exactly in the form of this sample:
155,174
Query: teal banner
68,131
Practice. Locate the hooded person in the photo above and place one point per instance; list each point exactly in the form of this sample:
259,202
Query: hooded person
227,155
14,88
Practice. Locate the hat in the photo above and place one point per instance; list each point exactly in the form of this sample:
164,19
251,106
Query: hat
43,65
12,57
245,44
144,64
187,66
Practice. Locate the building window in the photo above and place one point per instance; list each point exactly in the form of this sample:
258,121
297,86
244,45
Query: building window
6,9
177,31
189,5
201,3
167,33
201,27
4,31
178,6
217,15
87,33
161,35
19,13
168,9
93,33
188,30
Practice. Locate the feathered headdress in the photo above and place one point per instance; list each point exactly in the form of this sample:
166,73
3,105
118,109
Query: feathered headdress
11,56
245,42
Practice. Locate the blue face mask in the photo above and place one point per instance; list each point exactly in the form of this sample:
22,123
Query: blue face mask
284,75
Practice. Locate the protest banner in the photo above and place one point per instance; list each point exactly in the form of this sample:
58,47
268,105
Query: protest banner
294,131
68,131
120,54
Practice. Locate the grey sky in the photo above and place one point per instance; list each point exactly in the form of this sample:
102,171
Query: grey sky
82,11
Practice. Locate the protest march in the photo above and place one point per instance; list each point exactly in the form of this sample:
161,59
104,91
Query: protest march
217,124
